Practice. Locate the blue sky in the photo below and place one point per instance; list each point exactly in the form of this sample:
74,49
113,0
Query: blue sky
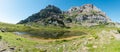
12,11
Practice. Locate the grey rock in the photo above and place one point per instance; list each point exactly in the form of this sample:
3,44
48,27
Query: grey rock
88,13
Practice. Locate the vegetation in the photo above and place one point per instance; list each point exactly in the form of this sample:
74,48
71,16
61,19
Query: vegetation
118,30
46,31
72,39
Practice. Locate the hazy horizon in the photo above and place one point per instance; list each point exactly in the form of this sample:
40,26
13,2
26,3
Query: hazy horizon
12,11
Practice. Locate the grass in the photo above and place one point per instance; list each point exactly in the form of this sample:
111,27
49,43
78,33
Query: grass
23,43
118,30
114,46
67,44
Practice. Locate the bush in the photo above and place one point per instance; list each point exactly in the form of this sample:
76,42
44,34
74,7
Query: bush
0,37
118,30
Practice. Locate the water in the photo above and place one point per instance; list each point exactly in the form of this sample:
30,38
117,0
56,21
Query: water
20,33
51,34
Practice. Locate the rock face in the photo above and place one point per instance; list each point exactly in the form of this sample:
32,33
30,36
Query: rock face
86,14
85,8
89,14
49,15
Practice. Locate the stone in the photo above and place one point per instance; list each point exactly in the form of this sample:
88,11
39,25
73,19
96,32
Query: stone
3,50
94,46
12,48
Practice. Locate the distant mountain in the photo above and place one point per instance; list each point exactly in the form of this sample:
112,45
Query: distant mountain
52,15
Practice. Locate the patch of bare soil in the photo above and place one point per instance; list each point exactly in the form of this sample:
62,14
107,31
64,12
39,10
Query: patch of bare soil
5,47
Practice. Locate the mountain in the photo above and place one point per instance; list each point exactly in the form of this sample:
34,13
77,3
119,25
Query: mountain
49,15
87,14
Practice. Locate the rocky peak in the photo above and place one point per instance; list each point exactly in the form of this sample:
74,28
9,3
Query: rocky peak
84,8
88,13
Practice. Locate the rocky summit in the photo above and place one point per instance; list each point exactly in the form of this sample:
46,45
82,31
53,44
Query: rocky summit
87,14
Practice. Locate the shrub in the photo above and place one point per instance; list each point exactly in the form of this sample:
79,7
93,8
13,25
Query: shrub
95,36
0,37
118,30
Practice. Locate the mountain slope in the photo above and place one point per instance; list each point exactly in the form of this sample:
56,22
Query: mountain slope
99,39
49,15
52,15
88,13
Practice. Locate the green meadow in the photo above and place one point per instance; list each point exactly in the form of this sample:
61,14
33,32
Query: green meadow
92,39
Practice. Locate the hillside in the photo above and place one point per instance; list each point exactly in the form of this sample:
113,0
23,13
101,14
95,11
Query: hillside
101,38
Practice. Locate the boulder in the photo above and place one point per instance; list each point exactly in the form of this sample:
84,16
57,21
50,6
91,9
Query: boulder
2,30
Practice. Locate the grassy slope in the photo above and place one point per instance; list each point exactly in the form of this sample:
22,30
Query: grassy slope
23,43
81,43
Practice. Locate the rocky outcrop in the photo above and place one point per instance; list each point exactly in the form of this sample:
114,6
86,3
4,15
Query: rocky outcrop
84,8
49,15
89,14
